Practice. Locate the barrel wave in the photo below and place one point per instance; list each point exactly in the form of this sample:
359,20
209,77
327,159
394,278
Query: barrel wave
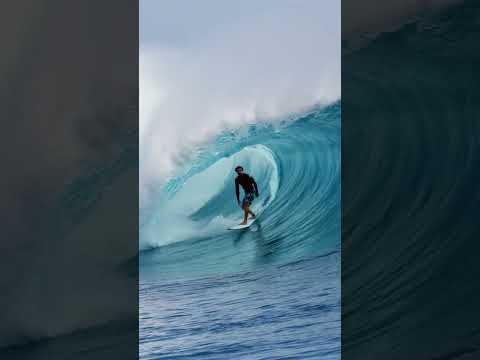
296,164
270,290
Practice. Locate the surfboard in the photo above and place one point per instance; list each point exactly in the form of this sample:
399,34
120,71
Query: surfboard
239,227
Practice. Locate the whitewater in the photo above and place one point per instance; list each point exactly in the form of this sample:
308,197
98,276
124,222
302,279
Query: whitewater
258,85
274,288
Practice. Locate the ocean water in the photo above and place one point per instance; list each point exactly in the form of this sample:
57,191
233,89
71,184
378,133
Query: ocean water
269,292
410,191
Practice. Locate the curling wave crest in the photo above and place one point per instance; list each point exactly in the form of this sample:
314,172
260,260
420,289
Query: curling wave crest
296,163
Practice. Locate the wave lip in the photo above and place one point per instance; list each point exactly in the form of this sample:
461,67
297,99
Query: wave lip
297,168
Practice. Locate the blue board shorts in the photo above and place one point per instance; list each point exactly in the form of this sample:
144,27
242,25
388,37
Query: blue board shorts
248,199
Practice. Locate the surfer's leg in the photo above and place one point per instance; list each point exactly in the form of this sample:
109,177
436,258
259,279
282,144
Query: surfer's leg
246,210
248,203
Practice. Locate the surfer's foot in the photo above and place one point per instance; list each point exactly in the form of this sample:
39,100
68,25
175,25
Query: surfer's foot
243,223
252,217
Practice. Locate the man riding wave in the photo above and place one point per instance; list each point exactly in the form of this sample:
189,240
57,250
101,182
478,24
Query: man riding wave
251,191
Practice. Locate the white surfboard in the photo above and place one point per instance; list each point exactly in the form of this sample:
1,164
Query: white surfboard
239,227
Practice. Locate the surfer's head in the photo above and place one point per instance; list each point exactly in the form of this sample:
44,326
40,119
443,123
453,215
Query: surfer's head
239,169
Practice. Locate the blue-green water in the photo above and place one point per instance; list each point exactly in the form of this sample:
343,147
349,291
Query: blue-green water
272,291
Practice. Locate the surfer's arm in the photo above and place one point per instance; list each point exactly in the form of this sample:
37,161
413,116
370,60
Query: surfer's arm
237,190
255,185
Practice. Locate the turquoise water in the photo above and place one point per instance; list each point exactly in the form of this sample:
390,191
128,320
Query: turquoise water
206,292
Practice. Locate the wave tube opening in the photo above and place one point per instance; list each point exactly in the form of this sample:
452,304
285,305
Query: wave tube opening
296,164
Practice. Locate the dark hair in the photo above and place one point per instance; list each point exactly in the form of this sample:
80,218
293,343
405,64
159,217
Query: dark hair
238,168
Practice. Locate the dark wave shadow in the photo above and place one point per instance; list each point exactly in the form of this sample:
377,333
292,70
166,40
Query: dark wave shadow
410,185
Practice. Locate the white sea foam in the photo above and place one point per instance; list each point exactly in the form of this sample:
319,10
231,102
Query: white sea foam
260,64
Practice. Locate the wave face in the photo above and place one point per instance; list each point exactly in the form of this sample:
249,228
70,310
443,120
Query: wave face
410,185
271,290
296,164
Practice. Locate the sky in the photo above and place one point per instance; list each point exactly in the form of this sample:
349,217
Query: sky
210,65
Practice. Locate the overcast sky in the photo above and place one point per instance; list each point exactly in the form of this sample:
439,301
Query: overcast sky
206,65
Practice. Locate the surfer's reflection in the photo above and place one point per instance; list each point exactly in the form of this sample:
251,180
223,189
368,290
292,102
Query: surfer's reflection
255,231
242,233
266,250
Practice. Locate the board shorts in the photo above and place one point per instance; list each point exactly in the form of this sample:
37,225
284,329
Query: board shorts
248,199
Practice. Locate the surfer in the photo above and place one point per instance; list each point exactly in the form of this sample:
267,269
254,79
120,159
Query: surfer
250,188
